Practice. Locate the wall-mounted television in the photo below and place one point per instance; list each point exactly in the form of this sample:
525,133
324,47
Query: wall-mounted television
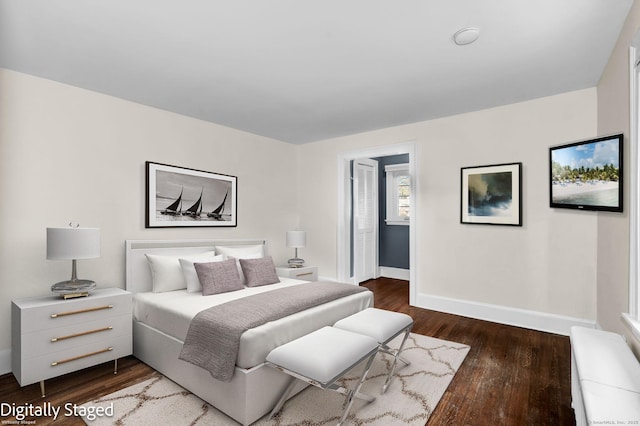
587,175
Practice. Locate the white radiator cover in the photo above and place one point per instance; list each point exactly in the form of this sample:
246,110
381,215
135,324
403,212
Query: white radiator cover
605,378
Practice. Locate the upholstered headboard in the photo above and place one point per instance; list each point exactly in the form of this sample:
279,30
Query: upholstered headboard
138,274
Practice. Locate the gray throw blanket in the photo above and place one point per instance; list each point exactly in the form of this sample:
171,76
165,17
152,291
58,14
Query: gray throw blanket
213,339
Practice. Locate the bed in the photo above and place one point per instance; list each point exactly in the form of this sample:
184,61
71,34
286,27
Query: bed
161,321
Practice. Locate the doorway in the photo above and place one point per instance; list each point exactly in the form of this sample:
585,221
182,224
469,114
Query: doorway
345,236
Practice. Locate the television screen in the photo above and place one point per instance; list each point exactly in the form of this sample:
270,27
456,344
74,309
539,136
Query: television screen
587,175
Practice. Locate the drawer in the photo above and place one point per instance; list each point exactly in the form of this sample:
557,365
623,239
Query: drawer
40,368
71,312
307,275
76,335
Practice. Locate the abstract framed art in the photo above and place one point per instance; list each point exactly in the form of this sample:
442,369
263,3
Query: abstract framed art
182,197
491,195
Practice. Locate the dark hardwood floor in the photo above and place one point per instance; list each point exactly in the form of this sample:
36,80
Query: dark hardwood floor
511,376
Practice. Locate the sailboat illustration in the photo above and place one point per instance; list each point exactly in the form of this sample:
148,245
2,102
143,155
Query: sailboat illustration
195,210
175,208
217,213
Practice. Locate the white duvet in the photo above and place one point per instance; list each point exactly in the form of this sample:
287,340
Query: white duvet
171,312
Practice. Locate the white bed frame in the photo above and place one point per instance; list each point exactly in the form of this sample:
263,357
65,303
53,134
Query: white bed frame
251,393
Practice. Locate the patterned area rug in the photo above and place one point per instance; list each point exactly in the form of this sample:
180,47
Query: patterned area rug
410,400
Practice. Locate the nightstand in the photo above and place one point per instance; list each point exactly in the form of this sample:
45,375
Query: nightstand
51,336
307,273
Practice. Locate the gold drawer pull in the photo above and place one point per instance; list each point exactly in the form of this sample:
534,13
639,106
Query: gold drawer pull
302,275
83,333
53,364
81,311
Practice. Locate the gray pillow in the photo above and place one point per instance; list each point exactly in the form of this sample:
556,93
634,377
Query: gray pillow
260,271
218,277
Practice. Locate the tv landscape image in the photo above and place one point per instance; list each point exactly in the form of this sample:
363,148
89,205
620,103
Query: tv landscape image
587,175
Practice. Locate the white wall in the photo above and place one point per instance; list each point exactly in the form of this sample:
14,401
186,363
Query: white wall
67,154
613,229
70,154
546,266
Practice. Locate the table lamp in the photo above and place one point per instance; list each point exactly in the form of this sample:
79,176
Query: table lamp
296,240
73,243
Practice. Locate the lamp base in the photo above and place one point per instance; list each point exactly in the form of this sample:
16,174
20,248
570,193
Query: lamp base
296,262
71,288
74,295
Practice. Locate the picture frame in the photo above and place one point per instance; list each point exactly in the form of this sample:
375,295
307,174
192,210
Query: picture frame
587,175
491,195
182,197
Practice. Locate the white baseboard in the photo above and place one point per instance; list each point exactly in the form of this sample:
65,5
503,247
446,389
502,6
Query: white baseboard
541,321
5,361
397,273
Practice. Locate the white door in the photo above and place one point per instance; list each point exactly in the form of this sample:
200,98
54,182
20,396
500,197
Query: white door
365,219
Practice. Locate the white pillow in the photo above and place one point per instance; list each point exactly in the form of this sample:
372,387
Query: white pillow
241,252
166,272
189,271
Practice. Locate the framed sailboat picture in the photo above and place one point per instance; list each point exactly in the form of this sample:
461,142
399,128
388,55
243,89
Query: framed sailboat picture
182,197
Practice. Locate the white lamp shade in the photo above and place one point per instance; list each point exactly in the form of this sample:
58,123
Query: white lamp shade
296,239
73,243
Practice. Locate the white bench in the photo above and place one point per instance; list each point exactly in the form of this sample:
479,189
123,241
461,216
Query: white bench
322,357
384,326
605,378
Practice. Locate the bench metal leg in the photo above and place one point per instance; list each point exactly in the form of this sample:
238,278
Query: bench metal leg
387,350
396,356
344,391
283,398
356,390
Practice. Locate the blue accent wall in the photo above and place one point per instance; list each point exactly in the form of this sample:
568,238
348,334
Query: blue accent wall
393,240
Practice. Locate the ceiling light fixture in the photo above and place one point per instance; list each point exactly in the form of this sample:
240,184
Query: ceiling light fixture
466,36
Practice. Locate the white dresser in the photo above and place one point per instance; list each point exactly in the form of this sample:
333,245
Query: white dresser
52,336
307,273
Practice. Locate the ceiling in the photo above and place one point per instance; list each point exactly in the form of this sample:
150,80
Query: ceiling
302,71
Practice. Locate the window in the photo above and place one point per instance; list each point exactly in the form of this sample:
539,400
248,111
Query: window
398,194
633,318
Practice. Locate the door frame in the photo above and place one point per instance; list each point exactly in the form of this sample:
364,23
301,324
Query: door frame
344,208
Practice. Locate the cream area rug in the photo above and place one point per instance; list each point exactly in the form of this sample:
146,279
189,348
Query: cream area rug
410,399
